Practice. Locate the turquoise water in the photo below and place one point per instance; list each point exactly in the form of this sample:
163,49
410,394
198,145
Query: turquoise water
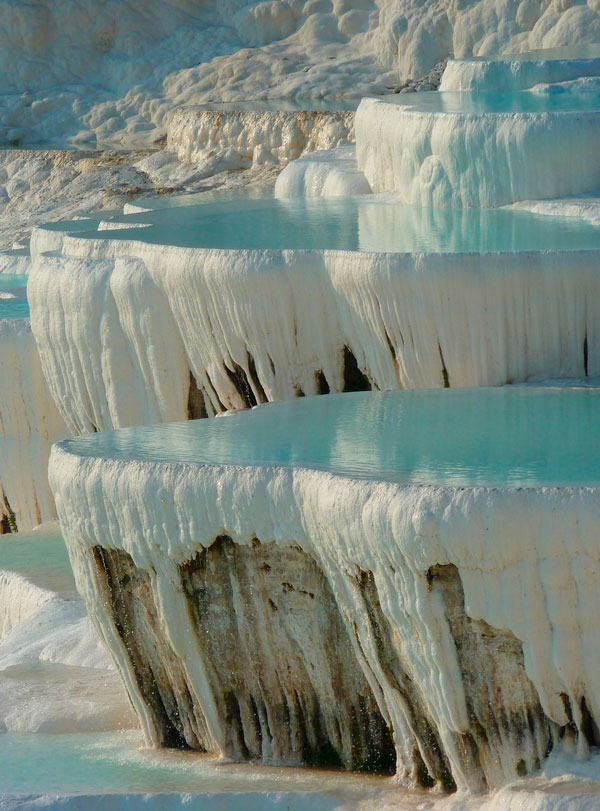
494,102
112,762
354,224
504,437
13,296
571,53
41,556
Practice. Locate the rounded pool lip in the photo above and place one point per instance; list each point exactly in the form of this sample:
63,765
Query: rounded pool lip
233,427
505,225
532,105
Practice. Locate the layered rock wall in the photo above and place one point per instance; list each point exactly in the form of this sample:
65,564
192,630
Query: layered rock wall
469,612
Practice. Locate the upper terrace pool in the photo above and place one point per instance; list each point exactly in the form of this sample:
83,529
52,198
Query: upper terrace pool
354,224
13,296
496,437
492,102
589,51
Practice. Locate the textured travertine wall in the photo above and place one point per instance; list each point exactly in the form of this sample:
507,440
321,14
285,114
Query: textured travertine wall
118,338
470,611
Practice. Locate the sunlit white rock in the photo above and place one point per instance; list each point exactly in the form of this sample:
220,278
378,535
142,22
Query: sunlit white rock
448,158
332,173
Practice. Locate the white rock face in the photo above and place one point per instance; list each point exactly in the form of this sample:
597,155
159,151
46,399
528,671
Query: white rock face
118,338
454,159
398,560
17,262
215,140
19,600
332,173
29,424
522,73
115,74
261,23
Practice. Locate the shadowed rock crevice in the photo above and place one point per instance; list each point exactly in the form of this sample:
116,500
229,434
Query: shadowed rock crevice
504,709
247,384
354,377
196,407
158,671
508,733
430,764
321,384
279,661
8,520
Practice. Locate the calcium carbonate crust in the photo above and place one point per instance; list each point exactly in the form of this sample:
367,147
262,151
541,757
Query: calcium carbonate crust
475,160
121,325
527,563
29,424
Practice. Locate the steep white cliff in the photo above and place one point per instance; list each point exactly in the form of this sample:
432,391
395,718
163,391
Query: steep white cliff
445,150
29,424
118,338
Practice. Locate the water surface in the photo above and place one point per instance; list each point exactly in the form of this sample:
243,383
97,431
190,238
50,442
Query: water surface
108,763
13,296
497,437
41,556
366,223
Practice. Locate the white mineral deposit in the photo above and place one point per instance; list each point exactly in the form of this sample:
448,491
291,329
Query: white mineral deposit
300,408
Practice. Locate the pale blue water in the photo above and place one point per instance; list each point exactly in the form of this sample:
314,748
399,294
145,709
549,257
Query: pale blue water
497,437
110,763
354,224
41,556
494,102
13,296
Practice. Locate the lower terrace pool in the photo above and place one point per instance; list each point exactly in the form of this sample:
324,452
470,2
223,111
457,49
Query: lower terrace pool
365,223
496,437
13,296
112,763
40,556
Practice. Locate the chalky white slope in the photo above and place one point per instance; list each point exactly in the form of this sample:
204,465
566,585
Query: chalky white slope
29,424
115,72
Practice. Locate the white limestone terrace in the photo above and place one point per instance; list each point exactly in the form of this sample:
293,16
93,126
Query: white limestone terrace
453,535
522,71
227,304
114,74
238,136
29,419
453,149
326,173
